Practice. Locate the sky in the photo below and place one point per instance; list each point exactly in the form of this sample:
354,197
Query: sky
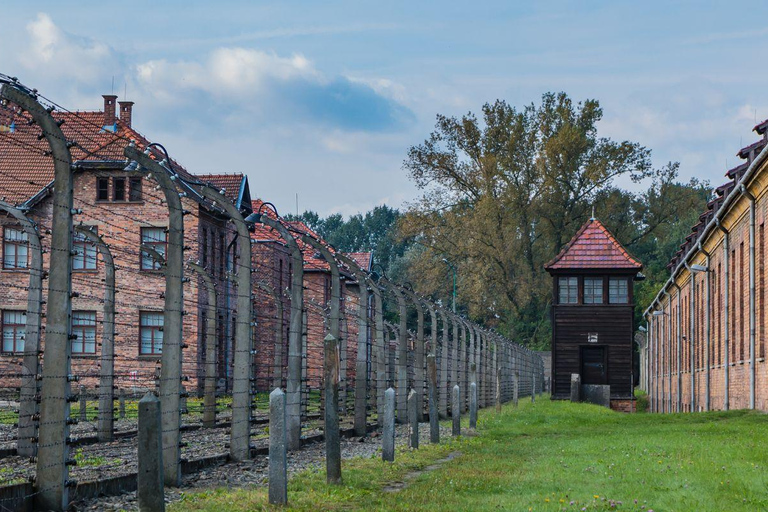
321,100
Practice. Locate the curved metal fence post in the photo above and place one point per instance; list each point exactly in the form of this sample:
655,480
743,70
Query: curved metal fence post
211,347
28,408
418,359
443,378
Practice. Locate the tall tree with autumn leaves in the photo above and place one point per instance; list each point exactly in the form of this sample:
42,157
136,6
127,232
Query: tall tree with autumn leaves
503,193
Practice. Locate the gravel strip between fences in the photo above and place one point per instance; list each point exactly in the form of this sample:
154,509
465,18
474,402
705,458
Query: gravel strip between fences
254,472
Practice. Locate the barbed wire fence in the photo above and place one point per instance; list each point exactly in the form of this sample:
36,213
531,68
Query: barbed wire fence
219,332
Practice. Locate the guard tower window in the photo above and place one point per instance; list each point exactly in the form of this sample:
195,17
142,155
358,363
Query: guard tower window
618,290
569,290
593,290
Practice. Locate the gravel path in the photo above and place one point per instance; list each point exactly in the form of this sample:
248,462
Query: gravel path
254,472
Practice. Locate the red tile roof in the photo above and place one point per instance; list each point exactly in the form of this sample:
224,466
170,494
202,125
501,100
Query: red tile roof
363,259
25,164
231,183
593,247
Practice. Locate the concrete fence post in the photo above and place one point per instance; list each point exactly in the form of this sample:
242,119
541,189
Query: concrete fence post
498,390
388,431
331,385
106,414
240,431
121,404
295,334
83,405
516,388
150,493
434,420
278,453
361,361
170,372
473,405
413,419
53,448
418,357
30,368
456,411
402,352
379,350
211,347
444,355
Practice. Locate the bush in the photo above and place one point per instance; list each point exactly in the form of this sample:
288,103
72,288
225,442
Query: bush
641,400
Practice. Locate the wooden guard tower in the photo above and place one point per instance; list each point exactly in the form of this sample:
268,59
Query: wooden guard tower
592,313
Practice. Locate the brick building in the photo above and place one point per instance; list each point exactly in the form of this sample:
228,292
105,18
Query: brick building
706,339
126,210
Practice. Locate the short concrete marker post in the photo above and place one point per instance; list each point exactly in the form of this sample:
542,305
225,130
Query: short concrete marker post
121,402
575,387
83,405
388,431
150,471
278,449
434,419
498,390
456,411
516,389
413,419
332,436
473,405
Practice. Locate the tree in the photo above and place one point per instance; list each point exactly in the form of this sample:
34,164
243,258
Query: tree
502,196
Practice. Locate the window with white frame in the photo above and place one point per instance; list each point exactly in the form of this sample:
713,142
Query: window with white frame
157,239
593,290
618,290
568,288
83,252
14,331
83,332
150,333
15,248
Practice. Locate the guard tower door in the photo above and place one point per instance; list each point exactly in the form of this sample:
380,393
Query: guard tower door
593,365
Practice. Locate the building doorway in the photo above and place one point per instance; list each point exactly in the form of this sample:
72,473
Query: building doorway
593,365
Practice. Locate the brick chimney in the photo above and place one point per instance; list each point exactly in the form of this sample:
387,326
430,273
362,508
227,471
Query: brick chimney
126,112
109,109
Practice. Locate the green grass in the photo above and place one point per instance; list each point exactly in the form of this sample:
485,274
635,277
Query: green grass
552,456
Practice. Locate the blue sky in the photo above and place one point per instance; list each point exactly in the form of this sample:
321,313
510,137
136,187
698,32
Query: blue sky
323,99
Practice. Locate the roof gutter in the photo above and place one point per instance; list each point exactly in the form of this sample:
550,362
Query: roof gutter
712,224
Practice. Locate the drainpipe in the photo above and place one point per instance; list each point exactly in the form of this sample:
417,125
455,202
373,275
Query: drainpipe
752,361
679,355
691,335
667,400
726,313
708,331
653,391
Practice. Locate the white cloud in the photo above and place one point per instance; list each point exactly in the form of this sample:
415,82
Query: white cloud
59,54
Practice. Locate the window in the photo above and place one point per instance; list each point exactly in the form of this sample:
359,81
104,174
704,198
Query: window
124,189
118,189
134,189
222,261
156,238
150,333
204,248
102,189
84,332
568,290
593,290
14,248
14,330
84,253
618,290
